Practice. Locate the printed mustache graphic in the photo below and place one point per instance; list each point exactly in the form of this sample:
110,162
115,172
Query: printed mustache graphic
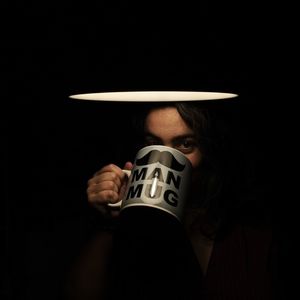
165,158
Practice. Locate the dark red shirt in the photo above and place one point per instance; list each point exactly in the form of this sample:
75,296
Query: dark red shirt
242,266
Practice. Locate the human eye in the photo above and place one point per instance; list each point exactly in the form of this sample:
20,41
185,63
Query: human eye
186,145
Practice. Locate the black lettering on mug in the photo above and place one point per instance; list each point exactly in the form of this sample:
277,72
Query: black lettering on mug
135,193
171,198
176,181
139,174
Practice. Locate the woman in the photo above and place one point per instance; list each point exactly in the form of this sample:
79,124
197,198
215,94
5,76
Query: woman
228,228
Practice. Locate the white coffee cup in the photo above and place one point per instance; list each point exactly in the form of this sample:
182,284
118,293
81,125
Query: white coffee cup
160,178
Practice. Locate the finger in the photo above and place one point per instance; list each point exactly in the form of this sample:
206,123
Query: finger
103,185
106,176
111,168
103,197
128,165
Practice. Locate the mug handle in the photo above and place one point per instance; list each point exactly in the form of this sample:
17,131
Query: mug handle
118,204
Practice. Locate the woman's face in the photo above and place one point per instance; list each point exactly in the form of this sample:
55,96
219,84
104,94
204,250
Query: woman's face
164,126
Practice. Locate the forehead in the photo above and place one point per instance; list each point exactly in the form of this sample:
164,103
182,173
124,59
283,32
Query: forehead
166,122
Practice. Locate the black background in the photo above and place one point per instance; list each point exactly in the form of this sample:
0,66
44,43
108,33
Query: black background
54,144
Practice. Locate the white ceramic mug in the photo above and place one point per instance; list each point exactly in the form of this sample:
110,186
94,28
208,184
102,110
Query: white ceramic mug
160,178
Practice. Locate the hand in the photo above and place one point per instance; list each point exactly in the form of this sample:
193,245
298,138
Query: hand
108,185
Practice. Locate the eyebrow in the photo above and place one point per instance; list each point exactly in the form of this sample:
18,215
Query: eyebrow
175,139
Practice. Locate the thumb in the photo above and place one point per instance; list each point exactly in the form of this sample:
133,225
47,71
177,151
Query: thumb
128,165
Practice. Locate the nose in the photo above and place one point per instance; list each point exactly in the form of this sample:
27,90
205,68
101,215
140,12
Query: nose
168,145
